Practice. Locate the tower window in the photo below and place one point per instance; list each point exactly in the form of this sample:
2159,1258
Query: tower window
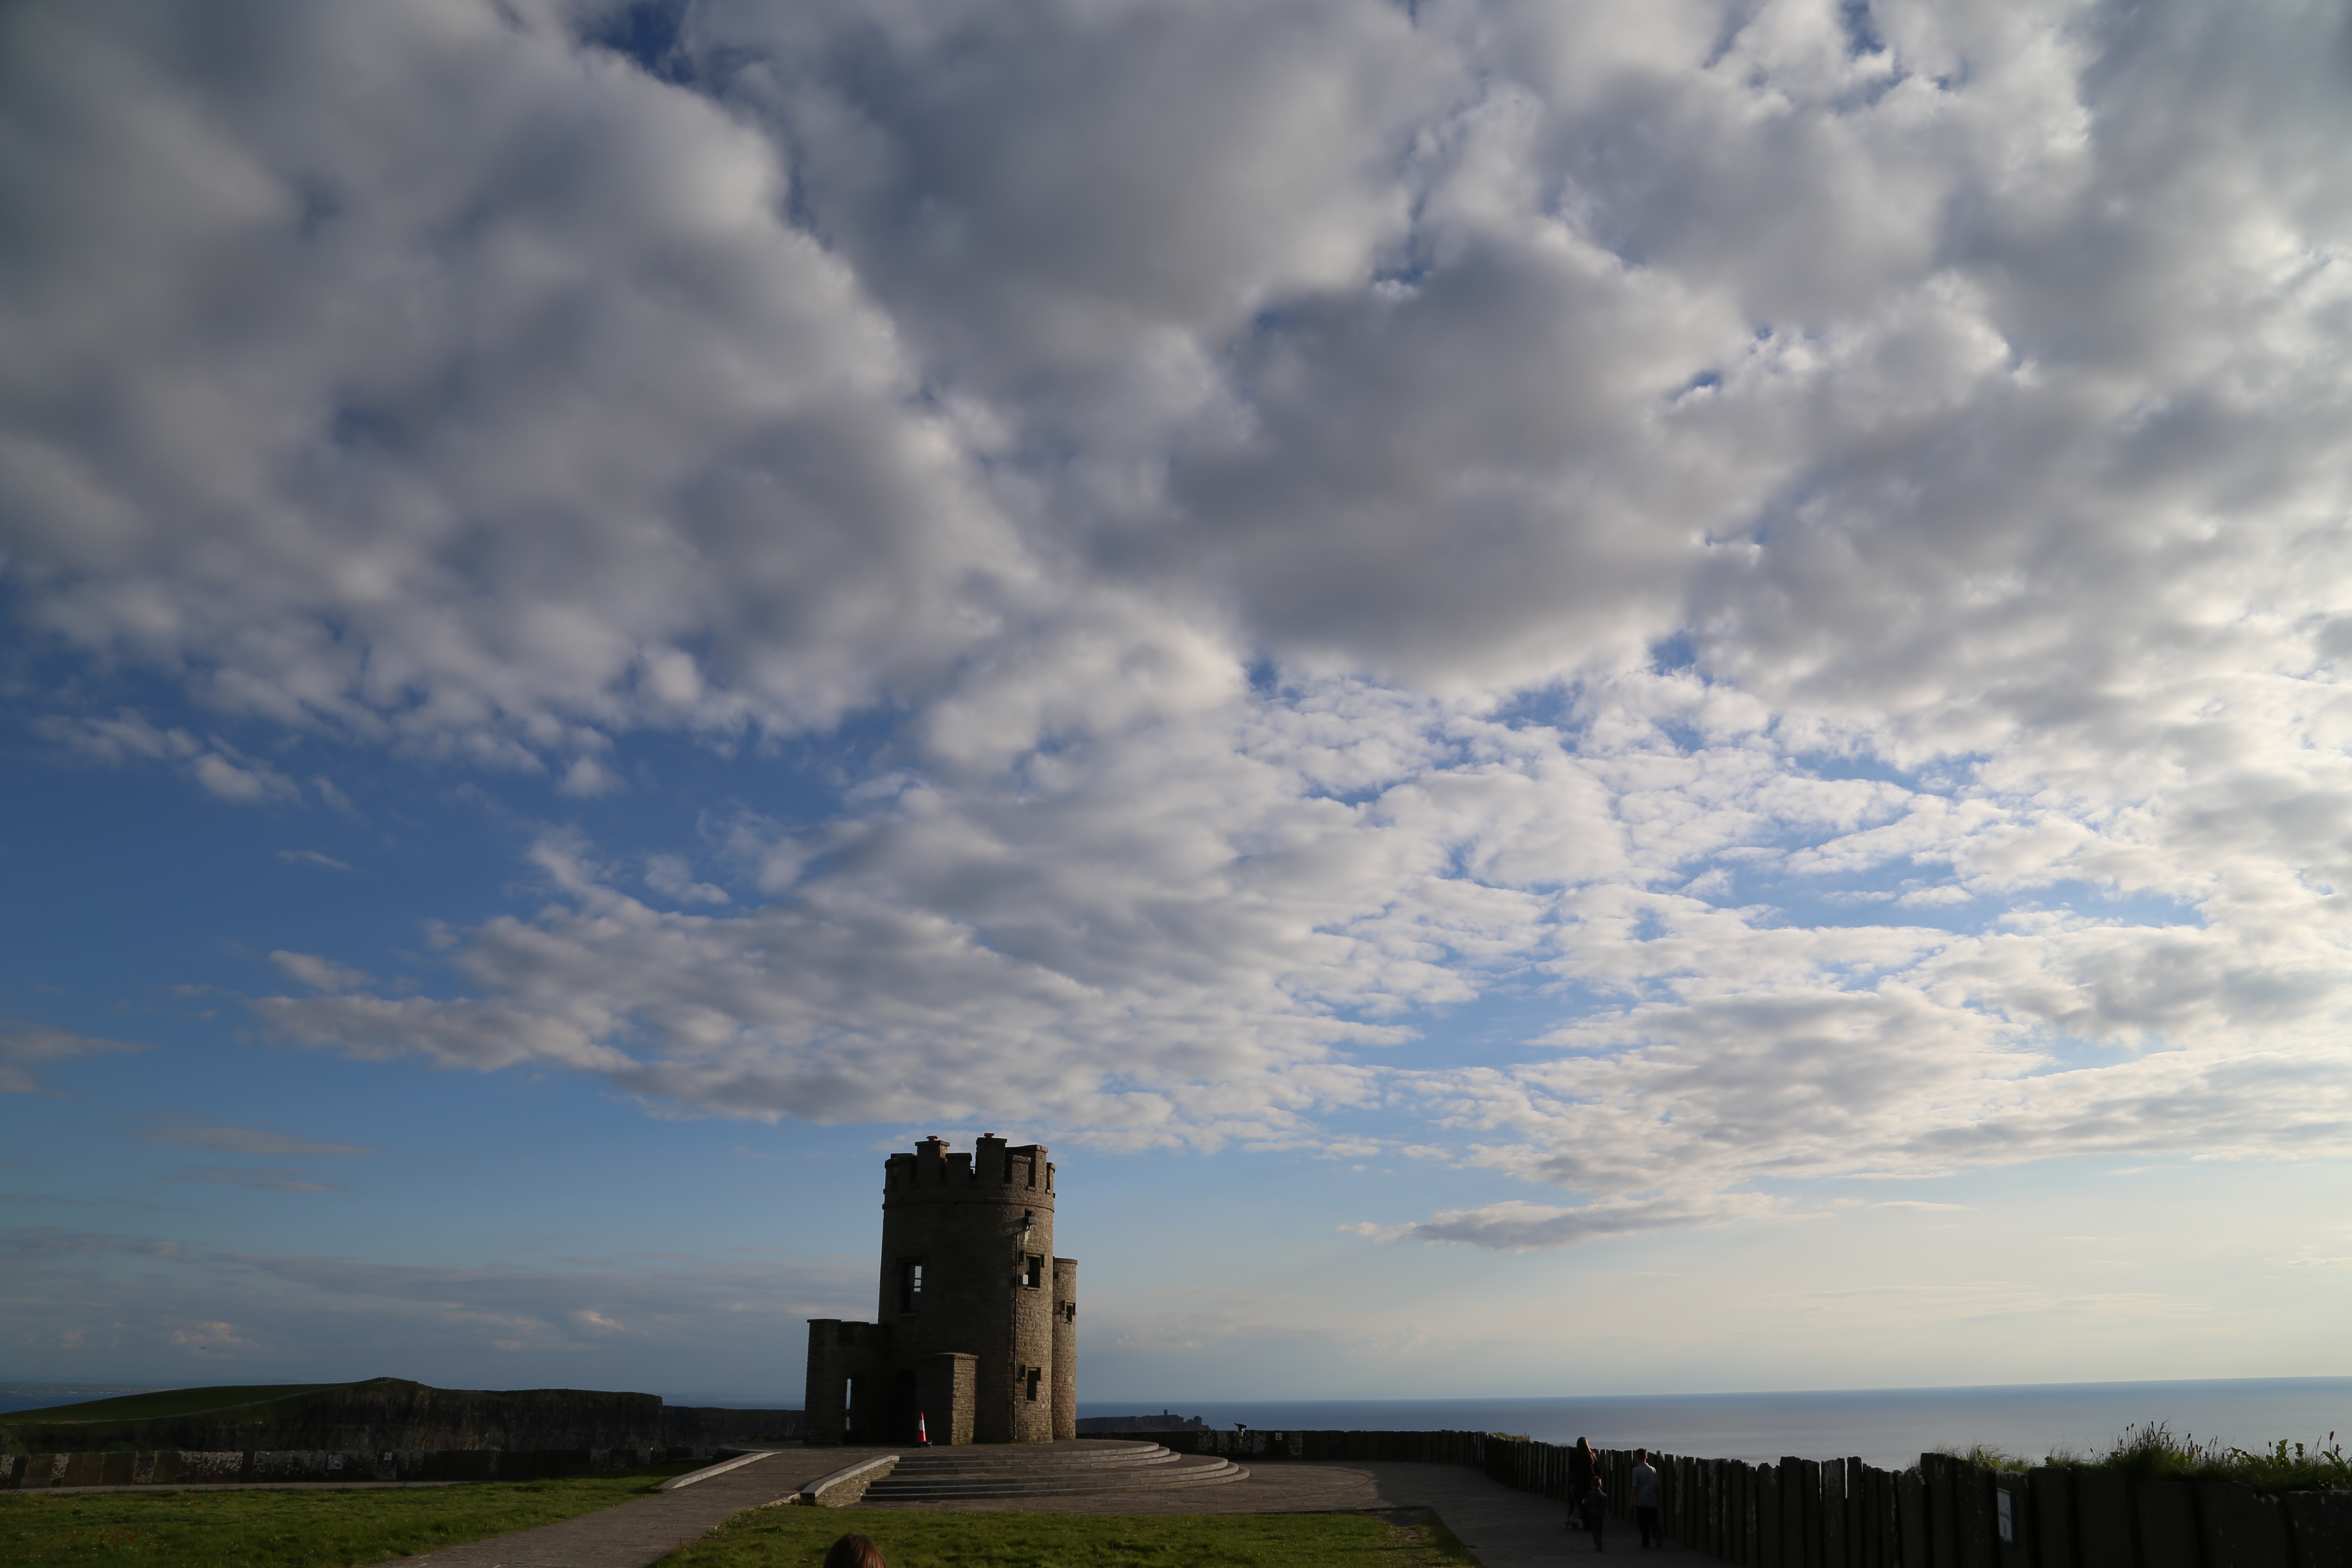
1033,1272
1035,1377
910,1287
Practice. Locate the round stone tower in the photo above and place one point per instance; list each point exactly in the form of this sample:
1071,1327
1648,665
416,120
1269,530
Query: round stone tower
968,1270
976,1333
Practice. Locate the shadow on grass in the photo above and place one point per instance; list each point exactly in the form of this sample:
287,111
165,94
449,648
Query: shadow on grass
793,1537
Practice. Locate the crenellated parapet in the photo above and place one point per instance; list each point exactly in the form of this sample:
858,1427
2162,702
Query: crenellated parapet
931,1169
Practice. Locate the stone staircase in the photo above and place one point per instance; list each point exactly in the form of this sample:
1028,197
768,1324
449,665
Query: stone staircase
1085,1465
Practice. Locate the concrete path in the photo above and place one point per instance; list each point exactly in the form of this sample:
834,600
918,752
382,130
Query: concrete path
203,1486
643,1530
1502,1528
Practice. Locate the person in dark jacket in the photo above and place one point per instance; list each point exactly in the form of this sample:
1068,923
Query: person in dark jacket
1594,1511
1582,1465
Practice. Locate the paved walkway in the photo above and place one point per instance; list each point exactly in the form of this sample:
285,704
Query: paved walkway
1504,1528
643,1530
203,1486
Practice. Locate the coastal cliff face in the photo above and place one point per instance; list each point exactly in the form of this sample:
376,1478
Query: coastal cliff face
388,1413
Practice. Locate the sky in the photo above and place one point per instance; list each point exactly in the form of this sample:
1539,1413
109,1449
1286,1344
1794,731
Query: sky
1630,697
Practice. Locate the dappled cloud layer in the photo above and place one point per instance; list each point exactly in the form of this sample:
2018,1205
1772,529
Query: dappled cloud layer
1806,539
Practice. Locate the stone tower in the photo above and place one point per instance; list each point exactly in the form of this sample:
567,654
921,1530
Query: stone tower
976,1328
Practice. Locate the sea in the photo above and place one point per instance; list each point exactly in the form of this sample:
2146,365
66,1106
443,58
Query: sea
1889,1427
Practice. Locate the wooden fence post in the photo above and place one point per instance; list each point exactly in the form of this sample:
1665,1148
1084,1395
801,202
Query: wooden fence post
1911,1519
2052,1491
1972,1515
1856,1551
1809,1496
1943,1521
2104,1521
2013,1521
1833,1514
2320,1525
1751,1513
2168,1524
2240,1529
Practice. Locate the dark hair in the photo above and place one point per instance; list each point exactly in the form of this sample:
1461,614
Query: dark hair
855,1552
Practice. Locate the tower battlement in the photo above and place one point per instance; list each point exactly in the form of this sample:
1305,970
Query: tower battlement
991,1161
976,1324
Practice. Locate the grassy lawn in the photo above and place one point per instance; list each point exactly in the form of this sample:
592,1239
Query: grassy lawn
291,1529
797,1537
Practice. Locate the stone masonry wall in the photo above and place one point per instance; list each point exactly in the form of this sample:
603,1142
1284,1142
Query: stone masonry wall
1066,1348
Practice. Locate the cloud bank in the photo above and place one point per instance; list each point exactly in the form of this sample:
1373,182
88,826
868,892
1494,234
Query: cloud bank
1810,539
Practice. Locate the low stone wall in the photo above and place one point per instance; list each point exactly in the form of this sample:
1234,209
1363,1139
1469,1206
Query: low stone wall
844,1488
1425,1447
186,1468
687,1426
1114,1426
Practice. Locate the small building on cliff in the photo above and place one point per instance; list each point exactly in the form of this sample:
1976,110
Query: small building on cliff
976,1322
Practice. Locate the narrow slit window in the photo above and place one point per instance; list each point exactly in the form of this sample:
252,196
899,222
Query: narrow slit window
1036,1376
910,1287
1033,1272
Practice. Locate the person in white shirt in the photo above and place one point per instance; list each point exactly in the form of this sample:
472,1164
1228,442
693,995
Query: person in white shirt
1645,1500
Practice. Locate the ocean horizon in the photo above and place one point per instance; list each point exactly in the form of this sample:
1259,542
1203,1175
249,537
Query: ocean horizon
1889,1427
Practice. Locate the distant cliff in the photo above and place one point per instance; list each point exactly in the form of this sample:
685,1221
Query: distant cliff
1103,1425
381,1415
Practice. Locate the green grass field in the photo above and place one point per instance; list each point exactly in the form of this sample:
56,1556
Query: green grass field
797,1538
323,1529
164,1403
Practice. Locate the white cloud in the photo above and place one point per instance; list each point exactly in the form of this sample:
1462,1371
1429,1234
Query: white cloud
215,764
24,1043
1825,554
243,1176
469,427
320,974
175,1134
673,876
1517,1226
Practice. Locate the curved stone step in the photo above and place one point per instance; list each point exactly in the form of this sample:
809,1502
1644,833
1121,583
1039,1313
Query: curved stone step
1158,1476
925,1464
1014,1456
903,1487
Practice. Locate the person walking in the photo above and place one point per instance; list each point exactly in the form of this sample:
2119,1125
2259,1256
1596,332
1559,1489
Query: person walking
1646,1499
1581,1469
1595,1509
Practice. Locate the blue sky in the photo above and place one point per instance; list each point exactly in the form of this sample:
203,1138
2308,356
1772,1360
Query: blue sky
1611,701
